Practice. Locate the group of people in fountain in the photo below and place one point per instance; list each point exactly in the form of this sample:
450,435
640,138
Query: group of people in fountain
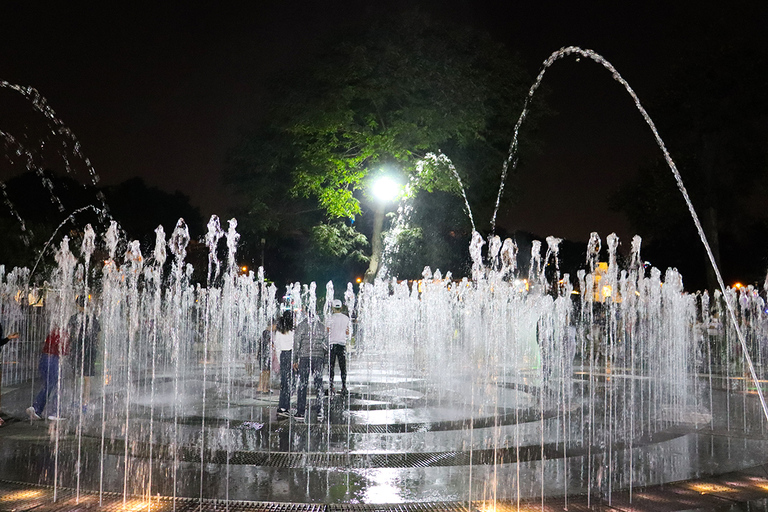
301,347
299,342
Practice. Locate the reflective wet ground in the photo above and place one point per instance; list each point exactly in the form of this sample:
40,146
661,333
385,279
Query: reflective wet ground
383,442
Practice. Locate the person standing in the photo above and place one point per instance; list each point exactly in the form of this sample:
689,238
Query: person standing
3,340
6,339
265,358
338,334
310,349
55,347
283,342
84,330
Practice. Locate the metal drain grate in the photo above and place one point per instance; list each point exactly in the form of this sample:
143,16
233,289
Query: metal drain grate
743,489
503,454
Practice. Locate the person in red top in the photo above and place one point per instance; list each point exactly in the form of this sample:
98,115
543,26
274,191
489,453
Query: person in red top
56,345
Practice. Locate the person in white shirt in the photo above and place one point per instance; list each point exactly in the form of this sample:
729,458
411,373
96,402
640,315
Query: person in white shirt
283,342
338,333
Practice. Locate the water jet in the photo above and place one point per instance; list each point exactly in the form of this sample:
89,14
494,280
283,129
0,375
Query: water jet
477,389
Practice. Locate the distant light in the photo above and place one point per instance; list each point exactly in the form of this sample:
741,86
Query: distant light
738,286
359,280
385,188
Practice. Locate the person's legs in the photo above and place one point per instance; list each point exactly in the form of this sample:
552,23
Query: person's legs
54,386
285,379
265,368
42,396
342,354
317,375
301,398
89,370
86,390
263,384
49,373
332,366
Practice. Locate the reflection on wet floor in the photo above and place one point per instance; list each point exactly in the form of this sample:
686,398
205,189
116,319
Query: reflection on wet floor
384,442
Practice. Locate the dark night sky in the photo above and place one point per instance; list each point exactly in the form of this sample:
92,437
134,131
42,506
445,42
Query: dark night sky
161,91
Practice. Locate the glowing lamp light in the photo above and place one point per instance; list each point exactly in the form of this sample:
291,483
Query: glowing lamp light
359,280
385,188
738,286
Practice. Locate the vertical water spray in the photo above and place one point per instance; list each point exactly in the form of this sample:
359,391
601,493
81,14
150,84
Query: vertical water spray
512,161
178,245
87,248
62,279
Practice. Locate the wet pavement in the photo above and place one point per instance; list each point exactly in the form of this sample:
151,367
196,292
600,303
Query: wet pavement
745,490
390,444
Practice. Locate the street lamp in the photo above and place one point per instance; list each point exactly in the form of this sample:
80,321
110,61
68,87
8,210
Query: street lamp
384,189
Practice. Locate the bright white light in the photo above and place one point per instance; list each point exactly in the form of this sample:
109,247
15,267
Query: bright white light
385,188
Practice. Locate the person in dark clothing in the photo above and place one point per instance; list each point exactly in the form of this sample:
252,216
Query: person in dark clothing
284,347
310,350
265,358
84,330
3,341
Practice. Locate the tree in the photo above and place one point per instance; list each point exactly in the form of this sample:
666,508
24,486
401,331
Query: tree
138,209
713,116
386,98
43,205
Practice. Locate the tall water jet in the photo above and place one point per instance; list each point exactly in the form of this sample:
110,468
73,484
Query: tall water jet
512,159
490,389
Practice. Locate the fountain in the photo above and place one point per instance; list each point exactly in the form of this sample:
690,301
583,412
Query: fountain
516,384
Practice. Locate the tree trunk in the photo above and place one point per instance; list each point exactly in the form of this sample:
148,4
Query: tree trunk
376,244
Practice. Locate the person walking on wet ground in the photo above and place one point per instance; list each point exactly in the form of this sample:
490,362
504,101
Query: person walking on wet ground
3,341
338,334
84,330
55,347
310,349
283,342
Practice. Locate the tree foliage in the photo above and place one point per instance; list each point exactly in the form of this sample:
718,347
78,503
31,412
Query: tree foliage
137,208
383,98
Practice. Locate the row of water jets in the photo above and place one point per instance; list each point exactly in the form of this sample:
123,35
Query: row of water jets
495,330
611,369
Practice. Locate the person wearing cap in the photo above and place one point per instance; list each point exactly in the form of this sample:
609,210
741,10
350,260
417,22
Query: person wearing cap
338,334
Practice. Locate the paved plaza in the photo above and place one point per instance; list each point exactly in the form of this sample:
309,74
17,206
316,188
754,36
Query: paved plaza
386,445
